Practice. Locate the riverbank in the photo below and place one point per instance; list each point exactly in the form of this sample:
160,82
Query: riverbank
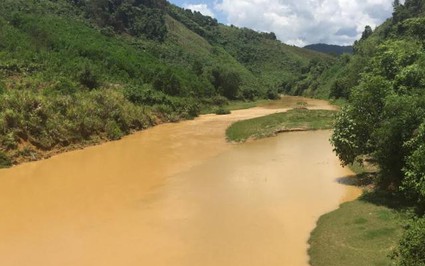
292,120
365,232
29,150
300,114
25,151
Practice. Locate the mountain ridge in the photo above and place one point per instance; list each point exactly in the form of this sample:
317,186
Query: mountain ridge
330,48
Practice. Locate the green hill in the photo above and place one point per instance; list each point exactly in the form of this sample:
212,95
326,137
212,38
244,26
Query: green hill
75,72
330,49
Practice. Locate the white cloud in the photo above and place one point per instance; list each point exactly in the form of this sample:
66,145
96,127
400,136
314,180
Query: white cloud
302,22
203,8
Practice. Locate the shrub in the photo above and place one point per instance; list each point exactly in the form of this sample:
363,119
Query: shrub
411,250
186,108
249,94
65,86
222,111
2,88
9,141
88,78
219,100
4,160
113,131
144,95
272,94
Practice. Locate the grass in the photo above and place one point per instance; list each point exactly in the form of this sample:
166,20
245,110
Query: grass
234,105
362,232
297,119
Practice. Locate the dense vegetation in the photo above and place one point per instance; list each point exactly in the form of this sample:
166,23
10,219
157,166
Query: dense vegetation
384,121
75,72
330,49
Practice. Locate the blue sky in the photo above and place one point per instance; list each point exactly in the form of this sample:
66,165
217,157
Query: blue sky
298,22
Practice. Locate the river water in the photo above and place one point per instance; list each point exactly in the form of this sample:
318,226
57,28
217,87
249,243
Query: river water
176,194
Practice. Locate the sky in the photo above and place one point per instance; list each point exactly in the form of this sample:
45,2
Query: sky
298,22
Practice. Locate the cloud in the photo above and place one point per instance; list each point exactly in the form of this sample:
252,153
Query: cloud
350,32
302,22
203,8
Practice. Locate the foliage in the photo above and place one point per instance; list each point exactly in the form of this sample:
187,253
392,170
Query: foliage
412,249
139,18
330,49
49,121
222,111
226,82
385,110
367,32
4,160
414,171
384,119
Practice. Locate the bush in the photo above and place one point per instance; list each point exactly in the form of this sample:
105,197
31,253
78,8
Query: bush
414,182
2,88
144,95
222,111
9,141
88,78
249,94
411,250
113,131
219,100
272,94
4,160
65,86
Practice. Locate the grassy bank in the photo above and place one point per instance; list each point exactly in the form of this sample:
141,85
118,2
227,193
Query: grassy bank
231,106
363,232
297,119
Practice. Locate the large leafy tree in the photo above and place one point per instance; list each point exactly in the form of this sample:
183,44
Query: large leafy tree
385,111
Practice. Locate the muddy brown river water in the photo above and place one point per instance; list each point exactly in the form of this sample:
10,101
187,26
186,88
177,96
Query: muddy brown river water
175,195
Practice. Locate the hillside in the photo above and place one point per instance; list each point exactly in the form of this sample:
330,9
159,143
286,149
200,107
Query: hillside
383,123
330,49
78,72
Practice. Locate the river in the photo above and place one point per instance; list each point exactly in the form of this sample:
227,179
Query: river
176,194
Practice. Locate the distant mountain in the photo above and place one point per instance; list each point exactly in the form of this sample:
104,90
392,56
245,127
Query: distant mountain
330,49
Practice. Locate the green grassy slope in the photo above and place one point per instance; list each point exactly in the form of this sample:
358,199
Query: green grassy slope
358,233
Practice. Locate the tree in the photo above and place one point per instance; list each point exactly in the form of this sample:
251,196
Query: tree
414,182
396,3
355,125
412,249
367,32
226,82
